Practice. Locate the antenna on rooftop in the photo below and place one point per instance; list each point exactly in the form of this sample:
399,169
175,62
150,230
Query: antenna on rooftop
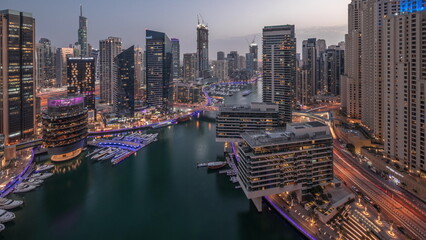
81,10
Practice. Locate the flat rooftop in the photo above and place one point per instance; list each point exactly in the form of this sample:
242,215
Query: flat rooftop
307,125
250,108
315,130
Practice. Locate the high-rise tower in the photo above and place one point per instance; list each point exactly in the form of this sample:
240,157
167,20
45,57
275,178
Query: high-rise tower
17,106
158,69
279,68
108,50
176,57
124,94
203,49
82,34
81,79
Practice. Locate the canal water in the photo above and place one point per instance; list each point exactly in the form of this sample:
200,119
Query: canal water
157,194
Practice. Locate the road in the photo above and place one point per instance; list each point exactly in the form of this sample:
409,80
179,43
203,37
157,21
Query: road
407,214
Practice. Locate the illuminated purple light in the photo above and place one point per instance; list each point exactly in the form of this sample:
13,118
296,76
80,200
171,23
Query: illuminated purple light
65,102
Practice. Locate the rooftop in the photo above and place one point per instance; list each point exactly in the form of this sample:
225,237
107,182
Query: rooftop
283,136
250,108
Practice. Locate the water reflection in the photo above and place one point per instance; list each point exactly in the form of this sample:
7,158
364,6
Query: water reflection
68,166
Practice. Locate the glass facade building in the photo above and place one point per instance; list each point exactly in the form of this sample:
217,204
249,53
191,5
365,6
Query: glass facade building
158,70
17,106
124,99
203,50
176,57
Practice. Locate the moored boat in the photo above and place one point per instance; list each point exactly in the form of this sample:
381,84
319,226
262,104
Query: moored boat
9,203
6,216
23,188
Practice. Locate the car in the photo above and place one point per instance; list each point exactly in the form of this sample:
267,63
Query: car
368,199
355,189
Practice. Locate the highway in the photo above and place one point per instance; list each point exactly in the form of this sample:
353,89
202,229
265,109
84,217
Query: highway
407,215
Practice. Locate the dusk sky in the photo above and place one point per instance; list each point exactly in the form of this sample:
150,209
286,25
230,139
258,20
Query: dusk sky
231,22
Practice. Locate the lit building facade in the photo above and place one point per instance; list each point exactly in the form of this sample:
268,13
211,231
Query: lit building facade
176,57
124,93
61,65
233,120
188,93
203,50
65,127
45,64
158,70
108,50
17,75
404,75
279,68
189,67
295,159
254,50
81,79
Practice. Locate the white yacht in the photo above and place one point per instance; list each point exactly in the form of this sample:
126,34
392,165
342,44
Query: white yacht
41,176
44,167
2,227
23,188
34,181
6,216
9,203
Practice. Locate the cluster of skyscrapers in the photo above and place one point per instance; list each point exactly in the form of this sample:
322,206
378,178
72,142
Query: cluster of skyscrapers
319,71
385,76
236,67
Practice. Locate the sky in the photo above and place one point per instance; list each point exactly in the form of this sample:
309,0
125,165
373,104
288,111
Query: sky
232,23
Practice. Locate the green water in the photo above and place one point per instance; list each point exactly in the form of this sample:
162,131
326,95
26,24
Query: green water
158,194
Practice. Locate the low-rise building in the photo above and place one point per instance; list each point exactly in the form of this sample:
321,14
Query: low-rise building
295,159
232,120
188,93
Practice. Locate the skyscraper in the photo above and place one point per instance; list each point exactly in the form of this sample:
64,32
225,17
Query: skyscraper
82,34
176,57
351,80
124,94
309,58
203,50
139,74
279,68
61,65
254,49
334,67
404,73
232,59
17,108
81,79
158,69
108,50
363,84
45,64
189,67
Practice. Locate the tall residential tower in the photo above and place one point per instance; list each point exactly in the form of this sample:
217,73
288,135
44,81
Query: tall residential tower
279,68
203,50
108,50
